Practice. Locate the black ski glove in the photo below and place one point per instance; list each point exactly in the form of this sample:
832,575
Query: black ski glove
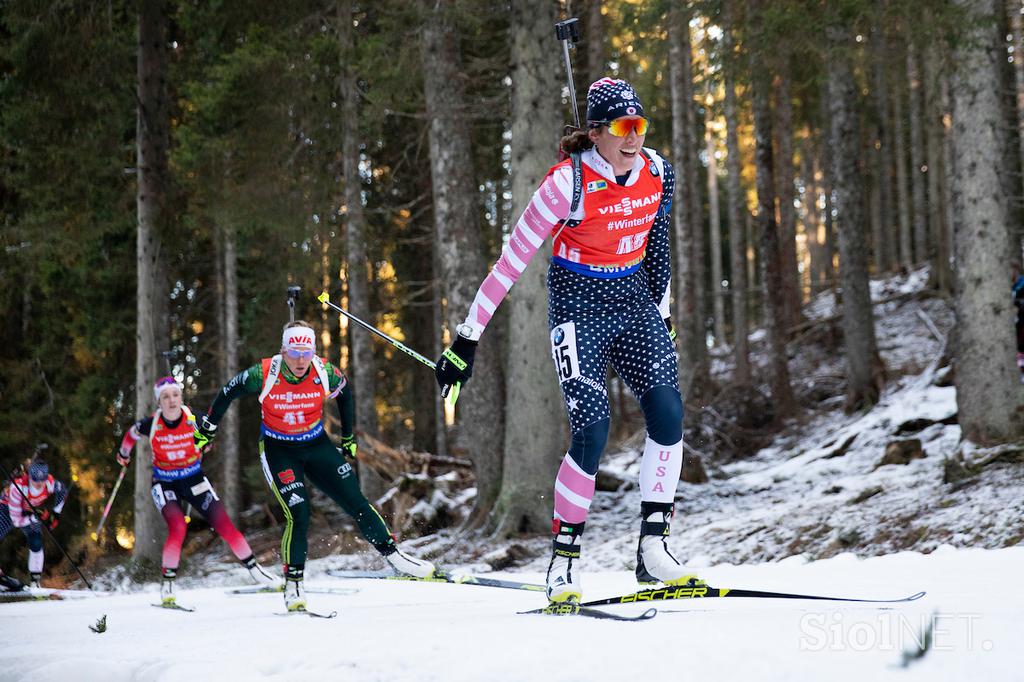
455,366
205,431
671,329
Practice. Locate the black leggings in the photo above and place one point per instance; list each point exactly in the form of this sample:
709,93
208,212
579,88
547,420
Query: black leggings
286,467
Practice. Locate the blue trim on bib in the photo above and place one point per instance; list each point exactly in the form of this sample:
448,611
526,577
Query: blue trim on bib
176,474
315,432
598,271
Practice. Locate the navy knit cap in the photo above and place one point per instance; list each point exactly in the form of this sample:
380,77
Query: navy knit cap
609,99
38,471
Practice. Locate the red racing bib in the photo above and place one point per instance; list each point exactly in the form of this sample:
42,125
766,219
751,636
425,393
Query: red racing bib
611,239
175,454
293,412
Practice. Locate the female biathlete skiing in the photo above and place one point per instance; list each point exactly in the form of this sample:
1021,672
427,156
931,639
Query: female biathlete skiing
34,497
608,301
178,478
292,388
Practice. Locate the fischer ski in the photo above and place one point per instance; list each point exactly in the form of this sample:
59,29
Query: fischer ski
573,608
174,607
278,589
442,576
699,590
306,612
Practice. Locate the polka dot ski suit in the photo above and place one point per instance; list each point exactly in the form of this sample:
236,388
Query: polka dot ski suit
602,315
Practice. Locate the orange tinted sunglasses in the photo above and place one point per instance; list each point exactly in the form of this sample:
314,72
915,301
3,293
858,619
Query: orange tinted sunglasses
620,127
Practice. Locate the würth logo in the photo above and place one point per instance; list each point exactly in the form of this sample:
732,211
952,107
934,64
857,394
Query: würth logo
286,476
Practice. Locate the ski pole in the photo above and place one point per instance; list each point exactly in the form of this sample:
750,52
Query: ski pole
3,470
326,300
106,510
453,393
168,356
568,32
293,295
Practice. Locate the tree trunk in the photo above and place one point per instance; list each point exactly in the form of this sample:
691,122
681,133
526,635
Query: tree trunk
864,370
987,382
362,367
771,256
787,193
594,36
439,310
152,198
917,158
949,215
715,230
886,247
828,187
1013,9
420,314
689,290
736,210
810,204
534,397
874,192
228,432
906,254
941,273
461,256
691,180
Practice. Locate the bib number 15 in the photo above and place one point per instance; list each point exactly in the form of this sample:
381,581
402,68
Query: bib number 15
563,351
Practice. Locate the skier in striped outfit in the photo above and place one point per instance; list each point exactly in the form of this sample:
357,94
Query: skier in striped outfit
608,302
34,497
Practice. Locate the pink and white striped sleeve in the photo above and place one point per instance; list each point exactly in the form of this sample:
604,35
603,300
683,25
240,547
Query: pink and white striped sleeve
16,502
547,208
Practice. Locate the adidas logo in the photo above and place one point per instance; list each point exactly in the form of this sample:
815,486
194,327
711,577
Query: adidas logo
295,499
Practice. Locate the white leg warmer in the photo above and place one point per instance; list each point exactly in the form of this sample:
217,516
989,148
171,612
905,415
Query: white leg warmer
659,471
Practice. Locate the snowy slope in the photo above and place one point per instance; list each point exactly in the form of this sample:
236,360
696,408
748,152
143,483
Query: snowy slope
397,631
795,517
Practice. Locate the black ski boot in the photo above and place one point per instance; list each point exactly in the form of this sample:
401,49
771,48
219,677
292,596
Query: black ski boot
10,584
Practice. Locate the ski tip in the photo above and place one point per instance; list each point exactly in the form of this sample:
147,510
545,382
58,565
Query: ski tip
915,597
323,297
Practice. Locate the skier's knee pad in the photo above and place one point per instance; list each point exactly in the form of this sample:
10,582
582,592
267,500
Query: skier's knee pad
588,445
663,412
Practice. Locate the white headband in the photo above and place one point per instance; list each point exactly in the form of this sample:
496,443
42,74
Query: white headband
164,385
299,337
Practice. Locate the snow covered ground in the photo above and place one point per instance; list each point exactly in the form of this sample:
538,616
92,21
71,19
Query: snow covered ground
397,631
814,512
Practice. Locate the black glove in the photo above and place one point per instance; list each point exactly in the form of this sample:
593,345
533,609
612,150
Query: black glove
348,448
205,431
455,365
671,329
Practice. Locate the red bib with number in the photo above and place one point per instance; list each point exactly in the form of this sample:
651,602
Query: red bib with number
175,448
612,236
293,412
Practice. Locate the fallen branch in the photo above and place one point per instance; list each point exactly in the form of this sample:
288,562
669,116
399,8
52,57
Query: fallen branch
390,463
